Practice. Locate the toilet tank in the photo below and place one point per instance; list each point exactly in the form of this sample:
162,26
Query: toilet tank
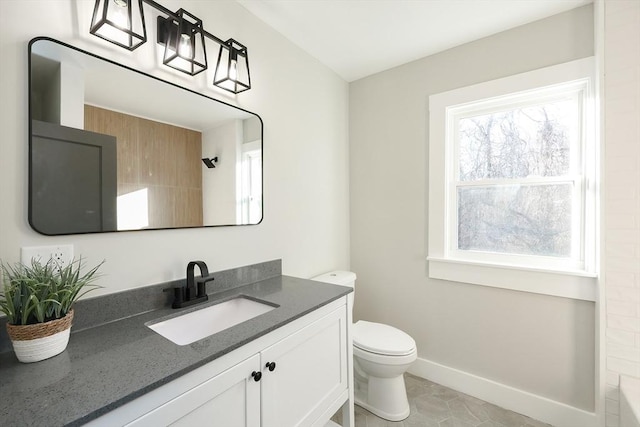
342,278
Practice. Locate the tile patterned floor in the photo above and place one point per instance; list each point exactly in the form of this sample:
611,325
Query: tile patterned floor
433,405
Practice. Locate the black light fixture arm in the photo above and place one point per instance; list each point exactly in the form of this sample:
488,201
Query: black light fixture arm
174,15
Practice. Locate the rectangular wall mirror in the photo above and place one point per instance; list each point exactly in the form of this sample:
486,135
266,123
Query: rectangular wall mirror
115,149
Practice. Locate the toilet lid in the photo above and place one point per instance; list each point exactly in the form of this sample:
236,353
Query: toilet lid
382,339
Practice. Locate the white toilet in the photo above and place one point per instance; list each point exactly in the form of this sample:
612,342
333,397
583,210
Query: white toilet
381,354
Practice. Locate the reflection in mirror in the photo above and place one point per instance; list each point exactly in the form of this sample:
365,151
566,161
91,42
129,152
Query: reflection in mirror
115,149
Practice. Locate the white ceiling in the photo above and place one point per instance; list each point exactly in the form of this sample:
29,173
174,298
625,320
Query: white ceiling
116,88
357,38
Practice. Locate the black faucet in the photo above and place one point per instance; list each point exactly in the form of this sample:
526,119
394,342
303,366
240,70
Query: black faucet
195,290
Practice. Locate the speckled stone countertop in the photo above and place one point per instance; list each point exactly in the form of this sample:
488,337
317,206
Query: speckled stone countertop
108,365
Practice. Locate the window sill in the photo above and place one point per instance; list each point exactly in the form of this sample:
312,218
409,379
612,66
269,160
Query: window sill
568,284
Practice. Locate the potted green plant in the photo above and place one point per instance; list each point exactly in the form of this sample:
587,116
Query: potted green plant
38,302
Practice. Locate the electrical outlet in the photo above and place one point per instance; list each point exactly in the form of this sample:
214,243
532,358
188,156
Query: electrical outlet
61,254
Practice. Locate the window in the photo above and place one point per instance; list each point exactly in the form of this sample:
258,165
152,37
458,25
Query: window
512,182
251,183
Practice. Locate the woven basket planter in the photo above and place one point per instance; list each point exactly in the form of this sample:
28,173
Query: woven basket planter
40,341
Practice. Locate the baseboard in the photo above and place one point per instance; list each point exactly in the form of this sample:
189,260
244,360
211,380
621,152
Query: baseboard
534,406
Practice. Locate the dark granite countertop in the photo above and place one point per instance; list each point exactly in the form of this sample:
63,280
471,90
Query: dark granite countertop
111,364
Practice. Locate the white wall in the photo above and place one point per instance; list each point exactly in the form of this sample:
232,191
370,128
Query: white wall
219,192
71,96
534,343
622,197
304,107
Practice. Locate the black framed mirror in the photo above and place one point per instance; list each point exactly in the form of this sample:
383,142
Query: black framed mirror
114,149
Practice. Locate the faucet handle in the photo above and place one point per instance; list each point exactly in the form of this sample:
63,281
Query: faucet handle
178,295
202,285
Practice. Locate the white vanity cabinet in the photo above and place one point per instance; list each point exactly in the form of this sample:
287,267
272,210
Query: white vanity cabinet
295,376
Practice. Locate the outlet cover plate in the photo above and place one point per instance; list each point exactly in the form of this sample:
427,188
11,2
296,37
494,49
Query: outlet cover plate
62,254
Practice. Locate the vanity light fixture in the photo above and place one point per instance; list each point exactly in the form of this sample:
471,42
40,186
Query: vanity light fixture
119,21
232,68
183,40
122,22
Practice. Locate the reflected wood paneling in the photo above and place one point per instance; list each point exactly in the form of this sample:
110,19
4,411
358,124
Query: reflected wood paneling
162,199
158,152
158,156
188,207
125,129
190,153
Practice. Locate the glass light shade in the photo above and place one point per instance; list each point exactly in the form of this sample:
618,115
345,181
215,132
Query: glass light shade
120,22
232,68
184,43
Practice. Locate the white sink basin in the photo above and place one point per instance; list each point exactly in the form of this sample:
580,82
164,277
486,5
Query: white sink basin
202,323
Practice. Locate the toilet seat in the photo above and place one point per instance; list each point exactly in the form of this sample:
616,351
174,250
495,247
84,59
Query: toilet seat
384,359
382,339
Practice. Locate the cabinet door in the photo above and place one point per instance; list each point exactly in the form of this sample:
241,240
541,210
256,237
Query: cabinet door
310,373
230,399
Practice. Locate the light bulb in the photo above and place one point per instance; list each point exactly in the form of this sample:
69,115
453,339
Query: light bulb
119,16
184,47
233,70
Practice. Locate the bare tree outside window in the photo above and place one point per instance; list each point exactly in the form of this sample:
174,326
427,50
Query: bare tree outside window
513,191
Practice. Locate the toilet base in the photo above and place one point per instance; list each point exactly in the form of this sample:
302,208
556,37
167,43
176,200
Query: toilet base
384,415
384,397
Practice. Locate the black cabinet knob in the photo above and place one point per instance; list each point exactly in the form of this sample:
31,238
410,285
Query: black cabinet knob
271,366
256,375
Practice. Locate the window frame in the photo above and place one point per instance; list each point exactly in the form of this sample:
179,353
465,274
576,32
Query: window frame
539,274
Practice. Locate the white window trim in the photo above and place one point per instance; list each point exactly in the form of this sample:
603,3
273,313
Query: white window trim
578,282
